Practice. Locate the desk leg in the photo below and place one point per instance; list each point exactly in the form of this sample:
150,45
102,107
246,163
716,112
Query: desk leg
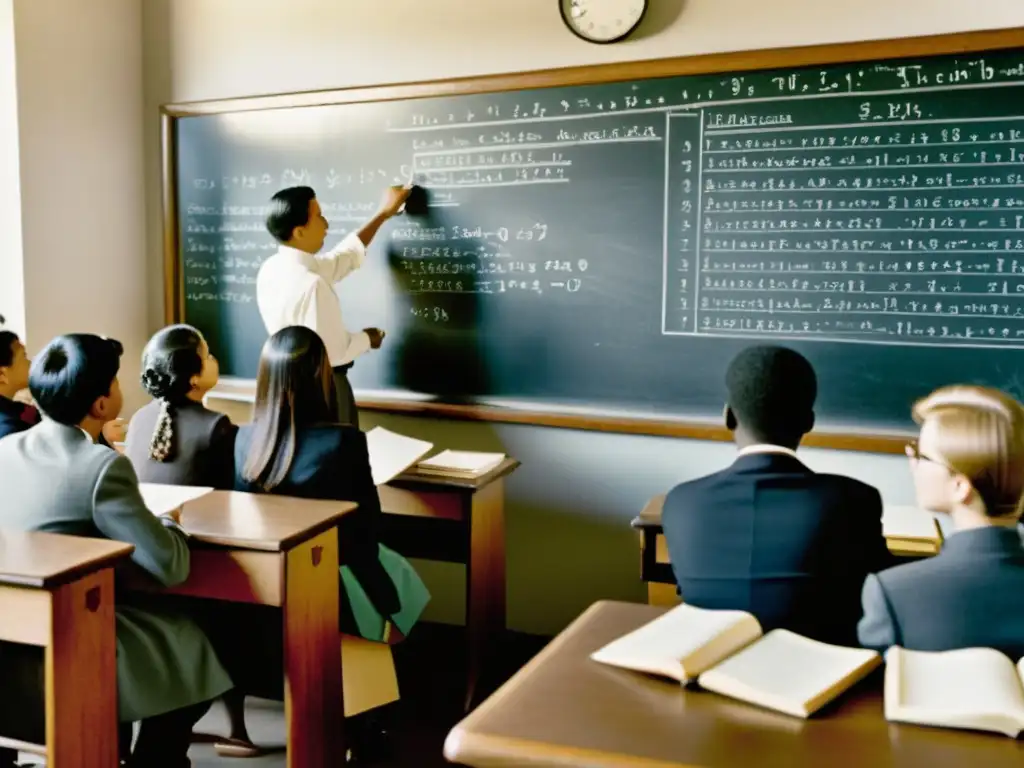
313,706
81,675
485,582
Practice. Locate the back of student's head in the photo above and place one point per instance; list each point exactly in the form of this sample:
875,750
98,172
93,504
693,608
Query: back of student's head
294,389
289,209
170,362
978,432
7,341
771,393
72,373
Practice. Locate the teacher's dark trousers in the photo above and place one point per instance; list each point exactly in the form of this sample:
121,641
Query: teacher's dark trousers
347,412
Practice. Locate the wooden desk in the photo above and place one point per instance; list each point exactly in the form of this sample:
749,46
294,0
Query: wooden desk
57,593
457,521
562,709
283,552
656,566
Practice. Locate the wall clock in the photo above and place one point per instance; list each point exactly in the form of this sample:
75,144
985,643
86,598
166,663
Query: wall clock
603,21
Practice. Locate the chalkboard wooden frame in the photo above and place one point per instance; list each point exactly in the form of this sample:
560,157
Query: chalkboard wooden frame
815,55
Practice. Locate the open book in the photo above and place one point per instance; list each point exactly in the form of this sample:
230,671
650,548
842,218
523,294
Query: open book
391,453
161,499
461,464
973,688
726,653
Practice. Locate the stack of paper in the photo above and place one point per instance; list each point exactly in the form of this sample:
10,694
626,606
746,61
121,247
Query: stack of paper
914,529
161,499
391,454
461,464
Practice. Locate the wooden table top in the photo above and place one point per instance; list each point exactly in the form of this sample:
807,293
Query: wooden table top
259,521
48,560
563,709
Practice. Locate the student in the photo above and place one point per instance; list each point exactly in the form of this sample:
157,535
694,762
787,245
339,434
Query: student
295,286
296,447
968,461
175,439
14,366
767,534
167,671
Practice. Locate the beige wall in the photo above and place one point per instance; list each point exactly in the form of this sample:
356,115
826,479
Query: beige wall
79,86
12,294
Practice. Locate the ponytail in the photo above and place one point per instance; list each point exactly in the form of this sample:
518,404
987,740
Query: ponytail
161,444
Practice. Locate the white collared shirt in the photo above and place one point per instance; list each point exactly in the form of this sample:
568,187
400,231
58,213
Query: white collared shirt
297,288
767,448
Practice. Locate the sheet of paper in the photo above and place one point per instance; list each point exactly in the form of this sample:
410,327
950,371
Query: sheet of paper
161,499
906,522
463,461
391,454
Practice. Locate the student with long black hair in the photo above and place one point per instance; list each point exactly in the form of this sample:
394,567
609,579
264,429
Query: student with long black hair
296,446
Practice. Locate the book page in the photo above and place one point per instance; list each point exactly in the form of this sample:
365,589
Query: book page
663,646
967,680
789,672
391,453
161,499
902,522
470,462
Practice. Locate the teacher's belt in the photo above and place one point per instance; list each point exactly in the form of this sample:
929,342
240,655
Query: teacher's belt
343,369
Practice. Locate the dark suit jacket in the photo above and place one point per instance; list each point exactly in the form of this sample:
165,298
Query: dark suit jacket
16,417
332,462
204,447
969,595
769,536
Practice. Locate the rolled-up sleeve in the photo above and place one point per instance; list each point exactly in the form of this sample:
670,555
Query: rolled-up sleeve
346,257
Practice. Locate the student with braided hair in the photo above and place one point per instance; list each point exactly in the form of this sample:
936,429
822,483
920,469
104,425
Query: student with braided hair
175,439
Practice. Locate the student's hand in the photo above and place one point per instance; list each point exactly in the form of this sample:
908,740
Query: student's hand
114,432
394,198
174,514
376,337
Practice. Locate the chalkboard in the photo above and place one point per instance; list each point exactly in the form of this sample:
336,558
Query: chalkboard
600,242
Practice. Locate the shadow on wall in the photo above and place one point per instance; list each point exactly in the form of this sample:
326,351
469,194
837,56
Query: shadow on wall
441,349
661,16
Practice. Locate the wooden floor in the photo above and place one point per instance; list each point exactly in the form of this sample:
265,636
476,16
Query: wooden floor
429,665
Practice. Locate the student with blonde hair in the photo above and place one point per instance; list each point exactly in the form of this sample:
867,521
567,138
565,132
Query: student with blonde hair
968,462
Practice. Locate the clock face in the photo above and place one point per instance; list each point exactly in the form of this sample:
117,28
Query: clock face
603,21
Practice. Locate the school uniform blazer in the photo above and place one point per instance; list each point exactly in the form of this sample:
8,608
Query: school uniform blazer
203,448
770,536
969,595
55,479
16,417
332,462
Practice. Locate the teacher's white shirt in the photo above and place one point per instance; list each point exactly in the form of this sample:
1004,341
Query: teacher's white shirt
297,288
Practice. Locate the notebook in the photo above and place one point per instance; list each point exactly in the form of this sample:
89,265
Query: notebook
971,688
462,464
391,453
725,652
161,499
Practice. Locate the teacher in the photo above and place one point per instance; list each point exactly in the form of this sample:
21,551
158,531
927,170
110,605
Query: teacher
295,286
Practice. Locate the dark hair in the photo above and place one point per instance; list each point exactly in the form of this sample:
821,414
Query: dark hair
294,389
289,209
71,373
7,341
169,361
771,394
